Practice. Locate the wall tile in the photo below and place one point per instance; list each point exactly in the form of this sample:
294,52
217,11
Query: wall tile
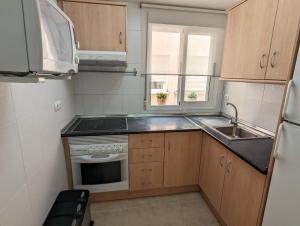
134,14
132,104
113,104
258,104
18,210
12,175
6,106
134,47
92,104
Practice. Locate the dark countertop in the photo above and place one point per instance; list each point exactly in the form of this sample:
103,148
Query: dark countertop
256,152
145,124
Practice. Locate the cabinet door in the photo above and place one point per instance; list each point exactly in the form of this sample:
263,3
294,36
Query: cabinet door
242,193
182,158
98,27
284,42
145,176
248,39
212,170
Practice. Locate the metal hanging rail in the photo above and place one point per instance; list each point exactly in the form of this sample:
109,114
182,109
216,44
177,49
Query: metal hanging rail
132,73
180,75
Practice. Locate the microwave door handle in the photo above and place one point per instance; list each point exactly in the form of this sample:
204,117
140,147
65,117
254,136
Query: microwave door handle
90,159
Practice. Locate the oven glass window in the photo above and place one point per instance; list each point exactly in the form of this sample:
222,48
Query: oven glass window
101,173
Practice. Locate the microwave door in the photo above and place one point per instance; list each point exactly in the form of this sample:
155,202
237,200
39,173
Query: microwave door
57,39
50,38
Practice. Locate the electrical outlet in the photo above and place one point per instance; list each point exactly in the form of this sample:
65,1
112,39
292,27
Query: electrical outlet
57,106
226,97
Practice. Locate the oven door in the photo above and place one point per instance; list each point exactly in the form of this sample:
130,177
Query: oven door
100,173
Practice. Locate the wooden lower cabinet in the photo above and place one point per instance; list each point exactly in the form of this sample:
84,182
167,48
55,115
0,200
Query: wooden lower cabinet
182,158
146,155
212,170
242,193
144,176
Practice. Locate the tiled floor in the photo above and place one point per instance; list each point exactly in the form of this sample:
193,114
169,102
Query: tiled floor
176,210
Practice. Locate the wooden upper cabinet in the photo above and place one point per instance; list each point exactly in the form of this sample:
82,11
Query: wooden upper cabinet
248,39
182,158
285,38
99,25
242,193
261,40
212,170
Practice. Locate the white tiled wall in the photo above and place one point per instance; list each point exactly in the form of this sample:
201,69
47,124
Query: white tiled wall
32,167
100,93
105,93
258,104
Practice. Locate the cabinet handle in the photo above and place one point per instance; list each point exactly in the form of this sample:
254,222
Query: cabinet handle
276,148
221,161
273,60
120,38
228,167
262,62
169,146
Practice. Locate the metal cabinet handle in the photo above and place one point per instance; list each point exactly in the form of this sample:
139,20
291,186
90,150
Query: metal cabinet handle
228,167
273,59
262,62
120,38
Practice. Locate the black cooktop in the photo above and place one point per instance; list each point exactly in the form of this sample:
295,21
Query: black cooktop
100,124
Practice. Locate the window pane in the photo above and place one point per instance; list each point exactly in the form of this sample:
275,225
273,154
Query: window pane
197,63
165,59
198,53
164,90
195,88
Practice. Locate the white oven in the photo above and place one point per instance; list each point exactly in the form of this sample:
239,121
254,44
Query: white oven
100,163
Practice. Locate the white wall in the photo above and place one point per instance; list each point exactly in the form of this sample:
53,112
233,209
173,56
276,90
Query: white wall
257,104
100,93
32,166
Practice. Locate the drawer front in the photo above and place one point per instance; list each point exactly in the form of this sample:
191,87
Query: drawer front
146,176
146,155
152,140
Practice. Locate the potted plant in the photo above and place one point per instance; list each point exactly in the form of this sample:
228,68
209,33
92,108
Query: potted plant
161,98
192,96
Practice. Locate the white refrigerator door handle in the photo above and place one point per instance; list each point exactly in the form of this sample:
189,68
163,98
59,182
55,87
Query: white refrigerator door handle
90,159
276,148
288,93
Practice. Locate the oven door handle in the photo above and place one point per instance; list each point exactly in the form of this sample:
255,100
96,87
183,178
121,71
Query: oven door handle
91,159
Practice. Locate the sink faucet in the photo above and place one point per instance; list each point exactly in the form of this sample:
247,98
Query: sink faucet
234,120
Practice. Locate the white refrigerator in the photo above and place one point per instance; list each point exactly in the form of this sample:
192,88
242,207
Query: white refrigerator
283,203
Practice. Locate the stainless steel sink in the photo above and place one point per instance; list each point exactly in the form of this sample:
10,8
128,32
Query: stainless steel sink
238,133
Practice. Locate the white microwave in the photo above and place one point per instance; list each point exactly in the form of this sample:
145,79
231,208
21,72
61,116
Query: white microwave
36,38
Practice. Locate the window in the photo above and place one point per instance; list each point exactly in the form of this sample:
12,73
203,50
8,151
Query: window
175,50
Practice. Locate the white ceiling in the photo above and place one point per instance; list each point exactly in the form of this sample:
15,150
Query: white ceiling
210,4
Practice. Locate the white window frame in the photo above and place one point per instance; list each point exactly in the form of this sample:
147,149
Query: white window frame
212,93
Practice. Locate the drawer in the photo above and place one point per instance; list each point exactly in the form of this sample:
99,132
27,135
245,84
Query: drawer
151,140
146,155
145,176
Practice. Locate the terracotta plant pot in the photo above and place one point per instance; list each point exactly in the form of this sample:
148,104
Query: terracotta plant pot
161,101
